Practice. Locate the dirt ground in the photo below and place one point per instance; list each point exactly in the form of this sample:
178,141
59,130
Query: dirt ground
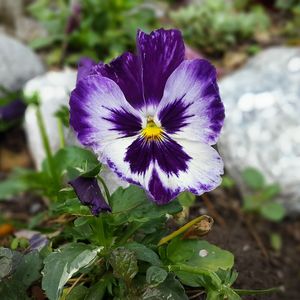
247,237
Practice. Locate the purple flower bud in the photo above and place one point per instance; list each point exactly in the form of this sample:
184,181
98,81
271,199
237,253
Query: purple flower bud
89,193
12,111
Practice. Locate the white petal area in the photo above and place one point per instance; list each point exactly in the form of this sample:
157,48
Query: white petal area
203,174
191,107
113,154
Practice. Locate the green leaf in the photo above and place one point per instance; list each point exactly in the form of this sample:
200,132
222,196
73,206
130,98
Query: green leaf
124,263
253,178
22,271
144,253
23,180
72,157
156,275
272,211
227,182
97,291
132,204
6,262
78,293
200,254
11,187
170,289
12,290
270,192
186,199
61,265
276,241
70,206
44,42
251,203
28,271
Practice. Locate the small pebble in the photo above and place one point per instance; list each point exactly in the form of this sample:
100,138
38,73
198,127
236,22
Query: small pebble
246,247
203,253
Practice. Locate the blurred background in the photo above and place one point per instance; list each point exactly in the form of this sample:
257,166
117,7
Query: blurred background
255,46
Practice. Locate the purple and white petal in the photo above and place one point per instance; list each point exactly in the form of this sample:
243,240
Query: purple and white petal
166,168
125,71
114,155
203,174
191,107
99,113
160,52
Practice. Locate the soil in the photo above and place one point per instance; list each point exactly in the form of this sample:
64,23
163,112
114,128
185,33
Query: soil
247,237
259,267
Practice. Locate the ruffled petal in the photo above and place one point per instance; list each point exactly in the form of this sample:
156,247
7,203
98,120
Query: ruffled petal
166,168
160,54
191,107
100,113
201,175
125,71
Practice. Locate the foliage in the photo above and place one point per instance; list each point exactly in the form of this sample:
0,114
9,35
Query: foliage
292,9
262,200
104,29
213,26
17,273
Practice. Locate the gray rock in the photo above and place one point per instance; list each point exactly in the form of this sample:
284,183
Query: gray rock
18,63
262,126
54,90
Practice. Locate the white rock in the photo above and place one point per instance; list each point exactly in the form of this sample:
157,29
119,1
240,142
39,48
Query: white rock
262,125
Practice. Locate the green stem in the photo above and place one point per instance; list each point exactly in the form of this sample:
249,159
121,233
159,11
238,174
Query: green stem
181,230
107,193
46,145
100,231
61,133
130,232
257,292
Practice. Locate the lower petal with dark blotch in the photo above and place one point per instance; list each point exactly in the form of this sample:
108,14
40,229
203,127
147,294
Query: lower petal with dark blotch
167,153
203,174
190,166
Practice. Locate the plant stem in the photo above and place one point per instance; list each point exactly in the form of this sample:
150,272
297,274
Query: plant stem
46,145
130,232
61,133
257,292
100,231
181,230
107,193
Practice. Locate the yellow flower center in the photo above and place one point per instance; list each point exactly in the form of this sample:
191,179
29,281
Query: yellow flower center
152,131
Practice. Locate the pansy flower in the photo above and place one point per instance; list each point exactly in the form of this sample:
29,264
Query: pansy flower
152,117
